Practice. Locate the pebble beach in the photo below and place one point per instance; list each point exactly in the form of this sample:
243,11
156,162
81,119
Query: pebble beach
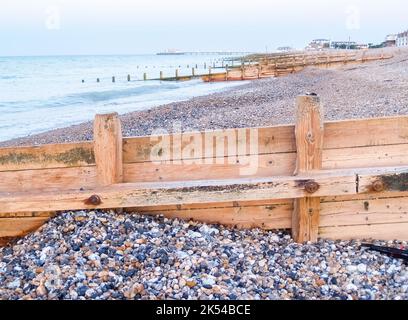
107,255
103,255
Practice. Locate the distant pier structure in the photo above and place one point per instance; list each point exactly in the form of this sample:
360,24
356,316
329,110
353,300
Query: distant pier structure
192,53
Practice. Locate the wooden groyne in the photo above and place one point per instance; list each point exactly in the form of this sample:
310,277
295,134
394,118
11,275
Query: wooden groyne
335,180
277,65
257,66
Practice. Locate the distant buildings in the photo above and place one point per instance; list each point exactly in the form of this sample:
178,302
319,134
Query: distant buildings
343,45
402,39
390,40
285,49
321,44
318,44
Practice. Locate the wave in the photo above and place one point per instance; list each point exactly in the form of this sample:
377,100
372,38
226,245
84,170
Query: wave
89,97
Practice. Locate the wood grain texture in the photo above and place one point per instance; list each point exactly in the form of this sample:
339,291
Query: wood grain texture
395,231
222,168
269,216
364,212
309,144
47,179
47,156
18,227
174,193
108,149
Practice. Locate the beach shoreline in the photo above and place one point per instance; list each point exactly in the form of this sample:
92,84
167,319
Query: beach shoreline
135,256
374,89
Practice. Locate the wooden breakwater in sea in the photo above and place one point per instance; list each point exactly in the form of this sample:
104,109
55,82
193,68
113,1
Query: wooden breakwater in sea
257,66
276,65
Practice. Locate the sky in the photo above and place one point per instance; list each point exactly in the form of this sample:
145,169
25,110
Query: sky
65,27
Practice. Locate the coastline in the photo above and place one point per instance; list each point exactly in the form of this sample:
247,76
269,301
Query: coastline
374,89
133,256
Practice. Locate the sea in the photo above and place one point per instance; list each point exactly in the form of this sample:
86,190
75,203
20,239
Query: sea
38,94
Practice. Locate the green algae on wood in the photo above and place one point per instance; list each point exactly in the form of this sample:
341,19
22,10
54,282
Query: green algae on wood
72,157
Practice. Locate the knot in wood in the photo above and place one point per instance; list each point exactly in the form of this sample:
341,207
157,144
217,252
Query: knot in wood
378,186
311,187
93,200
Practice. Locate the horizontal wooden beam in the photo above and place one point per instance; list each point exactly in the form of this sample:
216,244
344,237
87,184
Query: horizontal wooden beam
47,156
331,183
377,231
278,139
271,140
18,227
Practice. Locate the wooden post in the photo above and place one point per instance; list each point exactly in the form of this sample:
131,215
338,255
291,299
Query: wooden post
363,57
161,75
177,73
193,72
108,149
145,76
309,145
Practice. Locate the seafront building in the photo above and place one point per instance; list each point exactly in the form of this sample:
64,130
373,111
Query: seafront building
318,44
343,45
390,40
402,39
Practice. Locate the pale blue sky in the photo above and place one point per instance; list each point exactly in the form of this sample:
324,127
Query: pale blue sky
51,27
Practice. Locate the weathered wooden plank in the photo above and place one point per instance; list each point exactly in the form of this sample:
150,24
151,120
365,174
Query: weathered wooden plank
387,183
309,143
365,132
279,139
174,193
395,231
264,165
331,183
18,227
108,149
339,134
364,196
222,168
268,217
359,157
49,179
47,156
235,204
364,211
269,165
44,214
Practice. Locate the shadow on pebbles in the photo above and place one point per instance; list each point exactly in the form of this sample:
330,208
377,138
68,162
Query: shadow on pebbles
102,255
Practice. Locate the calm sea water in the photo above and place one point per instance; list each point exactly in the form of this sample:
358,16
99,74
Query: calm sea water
42,93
